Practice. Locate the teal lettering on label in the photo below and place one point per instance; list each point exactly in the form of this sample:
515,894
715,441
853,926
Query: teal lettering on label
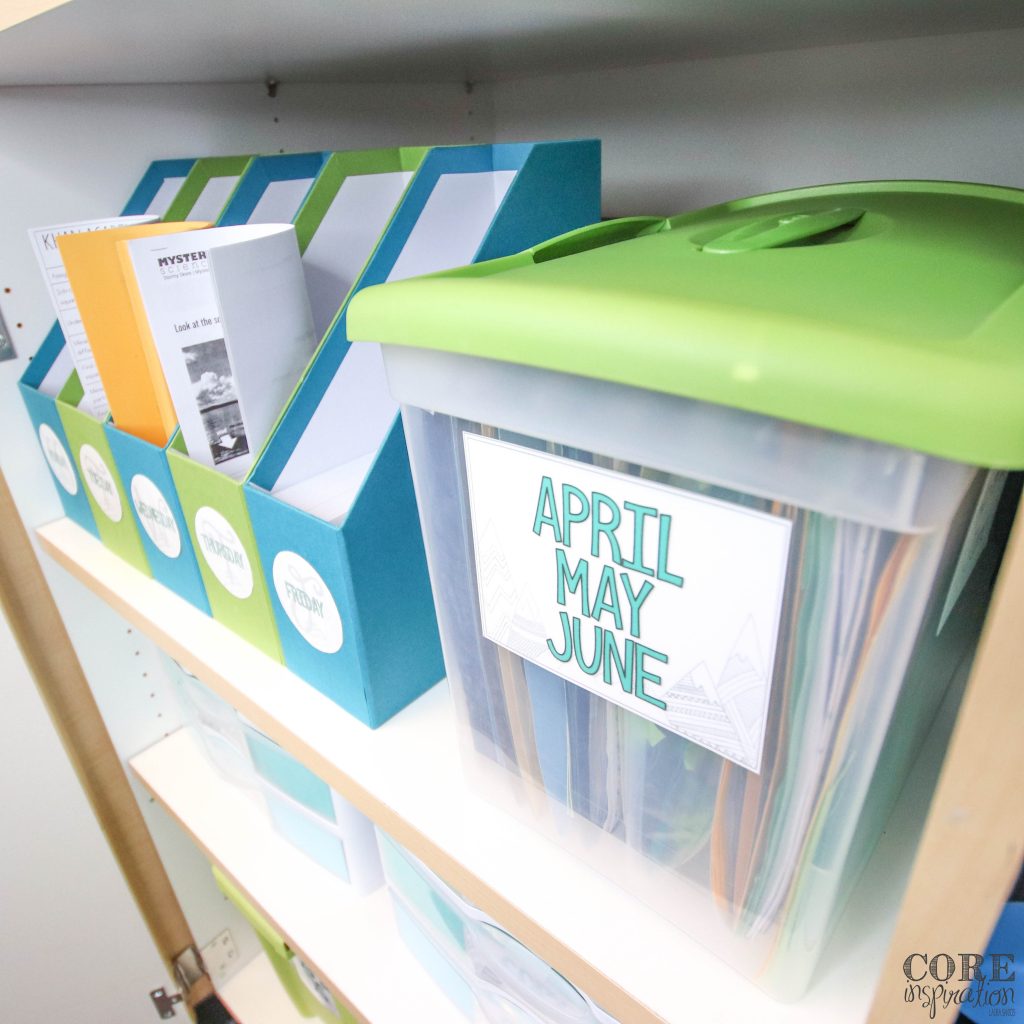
606,529
640,513
643,675
569,516
664,525
578,579
607,599
546,514
620,535
635,600
154,515
215,547
301,598
566,653
99,481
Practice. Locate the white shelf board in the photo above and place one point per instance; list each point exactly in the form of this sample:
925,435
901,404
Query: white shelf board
407,777
125,42
255,996
351,941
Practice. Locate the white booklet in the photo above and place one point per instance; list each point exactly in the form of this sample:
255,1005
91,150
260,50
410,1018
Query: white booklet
230,319
44,245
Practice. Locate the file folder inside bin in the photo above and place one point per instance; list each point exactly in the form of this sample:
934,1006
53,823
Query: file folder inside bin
313,817
712,509
484,971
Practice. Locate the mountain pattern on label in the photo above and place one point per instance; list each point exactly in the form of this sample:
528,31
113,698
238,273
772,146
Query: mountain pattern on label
513,620
727,716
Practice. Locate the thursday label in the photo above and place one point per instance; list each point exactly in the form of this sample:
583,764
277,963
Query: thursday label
223,552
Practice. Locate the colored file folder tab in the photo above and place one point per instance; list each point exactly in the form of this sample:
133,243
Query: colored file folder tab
331,498
49,370
706,554
271,188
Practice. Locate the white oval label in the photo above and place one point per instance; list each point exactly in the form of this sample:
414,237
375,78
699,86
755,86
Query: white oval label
155,515
58,459
223,552
307,602
100,482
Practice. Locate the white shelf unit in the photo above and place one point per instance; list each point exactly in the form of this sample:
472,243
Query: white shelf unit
350,941
695,103
408,778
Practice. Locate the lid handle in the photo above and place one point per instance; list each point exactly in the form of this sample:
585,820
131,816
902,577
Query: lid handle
593,236
772,232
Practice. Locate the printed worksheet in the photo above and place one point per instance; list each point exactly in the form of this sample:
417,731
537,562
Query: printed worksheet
44,245
230,320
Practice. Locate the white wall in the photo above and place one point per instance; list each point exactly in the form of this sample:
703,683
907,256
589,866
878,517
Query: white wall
72,946
682,136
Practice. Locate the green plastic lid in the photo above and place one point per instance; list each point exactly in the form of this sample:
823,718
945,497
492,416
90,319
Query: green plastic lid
887,310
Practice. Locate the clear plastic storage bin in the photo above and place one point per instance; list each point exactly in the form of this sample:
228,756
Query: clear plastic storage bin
710,530
217,724
486,973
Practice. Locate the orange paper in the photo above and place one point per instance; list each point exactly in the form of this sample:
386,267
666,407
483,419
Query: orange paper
106,295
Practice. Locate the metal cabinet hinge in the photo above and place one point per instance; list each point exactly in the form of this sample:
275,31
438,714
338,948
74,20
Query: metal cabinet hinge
188,969
165,1002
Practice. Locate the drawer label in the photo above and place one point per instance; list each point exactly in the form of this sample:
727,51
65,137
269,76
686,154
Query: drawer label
663,601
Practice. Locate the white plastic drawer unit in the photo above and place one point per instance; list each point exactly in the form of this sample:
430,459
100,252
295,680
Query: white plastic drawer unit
706,554
486,973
